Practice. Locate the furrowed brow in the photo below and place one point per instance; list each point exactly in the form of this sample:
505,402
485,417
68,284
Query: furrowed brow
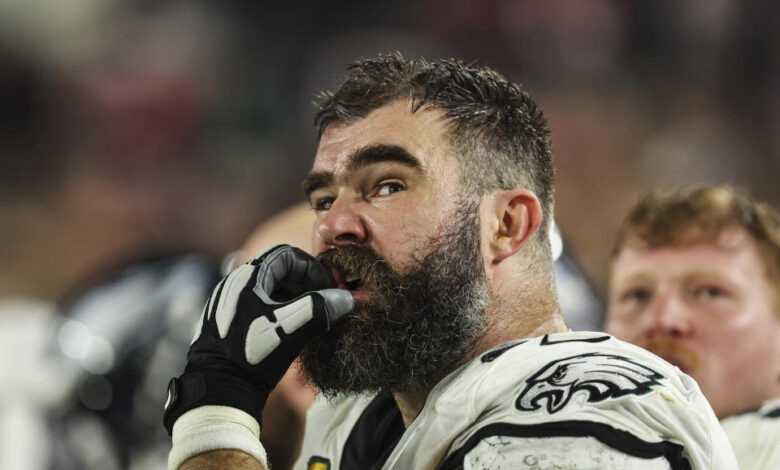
360,159
381,154
316,180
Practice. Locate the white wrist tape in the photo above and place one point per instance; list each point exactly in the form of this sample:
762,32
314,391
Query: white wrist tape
210,428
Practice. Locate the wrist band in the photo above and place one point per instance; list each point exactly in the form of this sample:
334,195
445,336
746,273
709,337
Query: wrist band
210,428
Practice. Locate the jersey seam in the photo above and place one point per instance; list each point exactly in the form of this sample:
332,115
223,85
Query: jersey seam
620,440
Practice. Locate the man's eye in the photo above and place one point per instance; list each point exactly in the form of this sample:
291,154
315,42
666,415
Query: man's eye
386,188
322,204
709,293
637,295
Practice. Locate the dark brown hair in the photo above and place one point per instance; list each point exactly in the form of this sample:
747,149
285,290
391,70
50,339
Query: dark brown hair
495,128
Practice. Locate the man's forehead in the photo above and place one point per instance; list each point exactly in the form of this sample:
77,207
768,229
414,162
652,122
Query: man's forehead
421,133
693,252
727,239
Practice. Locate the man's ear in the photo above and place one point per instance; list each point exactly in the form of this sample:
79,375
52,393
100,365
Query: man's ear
517,215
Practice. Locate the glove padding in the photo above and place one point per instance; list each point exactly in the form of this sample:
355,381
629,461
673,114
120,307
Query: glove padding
253,326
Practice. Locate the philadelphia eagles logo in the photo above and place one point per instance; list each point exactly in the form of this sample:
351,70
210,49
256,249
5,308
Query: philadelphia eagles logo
601,376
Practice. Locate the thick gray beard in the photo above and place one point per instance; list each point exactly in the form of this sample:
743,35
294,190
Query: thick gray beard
417,327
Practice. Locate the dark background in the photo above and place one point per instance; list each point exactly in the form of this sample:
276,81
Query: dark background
129,127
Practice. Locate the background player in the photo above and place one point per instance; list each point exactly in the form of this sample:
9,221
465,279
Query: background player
695,278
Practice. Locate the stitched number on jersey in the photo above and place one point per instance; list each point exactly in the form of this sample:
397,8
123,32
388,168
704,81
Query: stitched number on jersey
318,463
600,376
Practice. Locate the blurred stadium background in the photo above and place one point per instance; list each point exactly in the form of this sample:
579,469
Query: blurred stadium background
137,127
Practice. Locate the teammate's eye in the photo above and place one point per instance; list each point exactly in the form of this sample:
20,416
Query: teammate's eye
638,295
709,292
386,188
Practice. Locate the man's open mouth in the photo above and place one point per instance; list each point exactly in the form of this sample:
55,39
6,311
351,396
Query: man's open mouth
347,280
353,282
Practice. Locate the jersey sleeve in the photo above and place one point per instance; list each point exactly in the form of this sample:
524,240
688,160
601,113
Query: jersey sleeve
580,453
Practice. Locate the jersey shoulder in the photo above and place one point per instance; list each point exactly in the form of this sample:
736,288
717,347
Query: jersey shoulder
755,436
575,370
584,384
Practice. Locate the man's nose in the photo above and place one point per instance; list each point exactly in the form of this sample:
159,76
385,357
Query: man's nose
342,224
671,316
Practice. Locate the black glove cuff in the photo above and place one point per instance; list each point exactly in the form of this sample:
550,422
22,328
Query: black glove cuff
211,387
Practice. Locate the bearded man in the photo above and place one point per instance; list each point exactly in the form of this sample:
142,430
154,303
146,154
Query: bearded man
429,321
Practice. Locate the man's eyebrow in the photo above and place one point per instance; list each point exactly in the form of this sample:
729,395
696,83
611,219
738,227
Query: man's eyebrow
635,277
380,154
361,158
316,180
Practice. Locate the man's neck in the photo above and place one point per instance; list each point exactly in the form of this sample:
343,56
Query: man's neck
411,403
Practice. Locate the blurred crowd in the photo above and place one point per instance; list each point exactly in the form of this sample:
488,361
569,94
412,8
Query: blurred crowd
132,126
135,133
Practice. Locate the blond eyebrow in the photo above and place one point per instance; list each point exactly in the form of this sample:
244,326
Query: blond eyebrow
361,158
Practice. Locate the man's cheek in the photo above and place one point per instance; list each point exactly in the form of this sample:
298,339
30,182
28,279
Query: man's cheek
617,328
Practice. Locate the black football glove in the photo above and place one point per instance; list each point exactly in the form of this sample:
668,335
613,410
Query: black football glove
254,325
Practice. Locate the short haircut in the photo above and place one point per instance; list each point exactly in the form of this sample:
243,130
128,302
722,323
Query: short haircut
496,130
701,213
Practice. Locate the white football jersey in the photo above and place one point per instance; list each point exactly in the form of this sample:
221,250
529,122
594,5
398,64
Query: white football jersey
575,400
755,437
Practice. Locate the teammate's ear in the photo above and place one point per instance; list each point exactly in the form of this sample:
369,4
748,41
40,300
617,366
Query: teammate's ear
518,214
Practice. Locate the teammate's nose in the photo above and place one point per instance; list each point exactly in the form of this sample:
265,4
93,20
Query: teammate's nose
342,224
671,316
